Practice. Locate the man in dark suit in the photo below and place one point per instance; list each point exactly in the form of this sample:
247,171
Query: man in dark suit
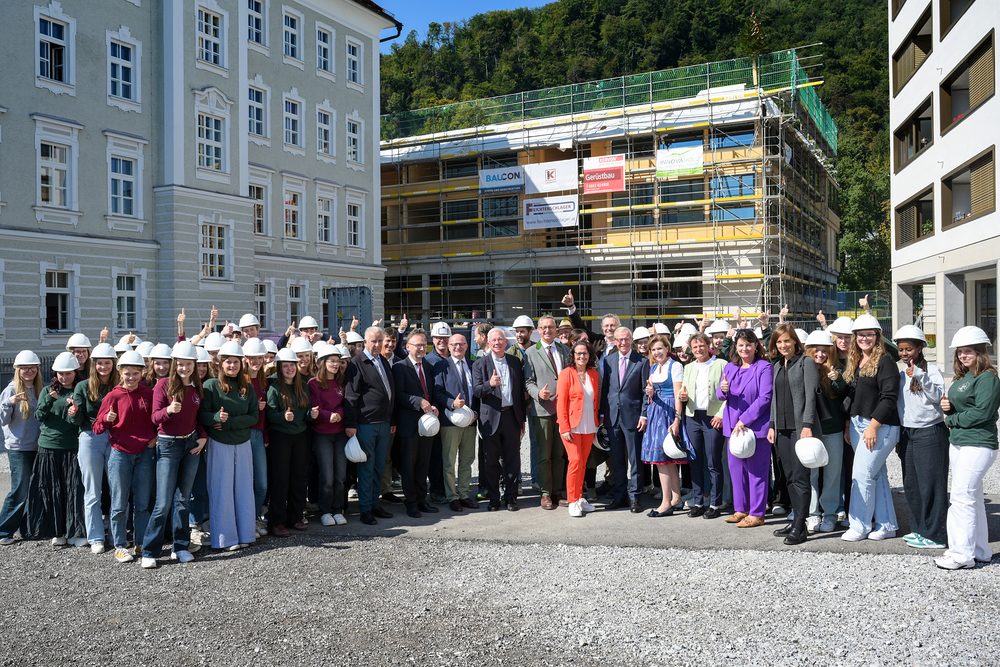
498,381
623,407
414,381
368,410
440,333
453,390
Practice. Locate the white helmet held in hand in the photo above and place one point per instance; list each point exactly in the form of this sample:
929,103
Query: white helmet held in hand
354,452
968,336
160,351
300,345
249,320
743,446
811,452
104,351
66,362
184,350
254,348
26,358
77,340
428,426
842,325
910,332
131,358
462,417
214,341
671,449
308,323
819,338
231,349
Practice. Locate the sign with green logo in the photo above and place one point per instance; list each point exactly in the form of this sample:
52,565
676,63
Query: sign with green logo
680,161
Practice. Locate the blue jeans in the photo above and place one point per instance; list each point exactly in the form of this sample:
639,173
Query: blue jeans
230,492
331,461
93,457
175,472
871,496
825,504
130,473
199,494
259,451
12,517
374,441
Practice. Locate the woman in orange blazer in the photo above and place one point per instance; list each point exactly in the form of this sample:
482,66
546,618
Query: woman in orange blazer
577,393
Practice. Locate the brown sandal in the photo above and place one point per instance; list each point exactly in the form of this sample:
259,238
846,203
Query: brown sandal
736,518
751,522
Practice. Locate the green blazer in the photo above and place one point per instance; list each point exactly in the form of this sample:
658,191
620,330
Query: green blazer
715,406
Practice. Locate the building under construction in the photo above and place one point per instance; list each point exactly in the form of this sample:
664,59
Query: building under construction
672,194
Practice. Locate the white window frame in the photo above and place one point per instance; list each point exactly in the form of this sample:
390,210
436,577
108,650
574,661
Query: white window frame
355,198
212,102
227,226
330,157
293,184
260,204
64,133
126,147
140,298
297,60
262,304
300,299
299,118
262,46
359,84
3,110
73,302
291,203
261,177
212,7
258,85
53,12
330,192
124,38
357,164
330,72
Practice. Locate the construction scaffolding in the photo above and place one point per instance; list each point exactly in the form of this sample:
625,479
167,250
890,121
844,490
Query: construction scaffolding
756,229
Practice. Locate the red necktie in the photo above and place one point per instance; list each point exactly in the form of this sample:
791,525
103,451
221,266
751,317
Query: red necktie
423,384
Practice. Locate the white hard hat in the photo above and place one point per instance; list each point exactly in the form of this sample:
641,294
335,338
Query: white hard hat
865,323
122,347
969,336
343,351
236,329
688,328
26,358
103,351
440,330
811,452
718,326
743,446
131,358
300,345
144,349
353,337
327,350
319,345
135,342
160,351
682,341
249,320
184,350
801,335
523,321
758,332
428,426
77,340
285,354
308,323
842,325
910,332
231,349
254,348
203,356
661,328
354,452
671,449
640,333
462,417
819,337
270,346
214,341
66,361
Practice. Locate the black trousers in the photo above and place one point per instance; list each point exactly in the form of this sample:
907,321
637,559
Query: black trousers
924,455
502,457
436,469
796,474
288,458
779,479
415,457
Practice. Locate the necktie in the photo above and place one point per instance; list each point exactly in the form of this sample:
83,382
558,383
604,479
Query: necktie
381,374
621,370
465,378
552,359
423,384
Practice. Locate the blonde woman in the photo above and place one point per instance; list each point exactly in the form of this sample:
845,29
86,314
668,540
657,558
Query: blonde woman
20,434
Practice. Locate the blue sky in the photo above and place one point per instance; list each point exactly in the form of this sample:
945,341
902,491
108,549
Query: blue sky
416,15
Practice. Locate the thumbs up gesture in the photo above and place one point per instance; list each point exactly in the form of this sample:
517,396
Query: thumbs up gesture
833,374
567,300
223,415
545,394
314,412
945,404
458,403
175,406
724,385
104,334
111,417
649,388
909,368
495,380
683,393
72,409
289,415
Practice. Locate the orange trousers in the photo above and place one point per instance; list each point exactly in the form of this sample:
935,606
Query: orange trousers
577,453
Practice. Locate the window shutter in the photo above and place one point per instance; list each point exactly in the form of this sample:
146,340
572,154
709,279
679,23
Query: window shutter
906,230
983,186
922,45
981,77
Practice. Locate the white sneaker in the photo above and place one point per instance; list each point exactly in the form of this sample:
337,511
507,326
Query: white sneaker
826,526
841,516
853,536
58,541
813,523
97,548
4,541
352,493
235,547
949,563
78,542
340,519
122,555
182,556
575,509
261,528
585,506
149,563
328,520
881,534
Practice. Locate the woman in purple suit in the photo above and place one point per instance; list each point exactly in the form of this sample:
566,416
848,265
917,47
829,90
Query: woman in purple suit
746,387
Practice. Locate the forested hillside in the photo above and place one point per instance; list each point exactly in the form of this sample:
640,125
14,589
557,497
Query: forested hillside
502,52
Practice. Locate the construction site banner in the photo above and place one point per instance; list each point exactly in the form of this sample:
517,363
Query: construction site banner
680,161
551,177
506,179
604,174
548,212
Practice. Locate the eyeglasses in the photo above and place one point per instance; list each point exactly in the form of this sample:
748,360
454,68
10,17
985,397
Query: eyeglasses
865,336
581,354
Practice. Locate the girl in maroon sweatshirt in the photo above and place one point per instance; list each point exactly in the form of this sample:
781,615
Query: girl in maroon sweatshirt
127,414
326,392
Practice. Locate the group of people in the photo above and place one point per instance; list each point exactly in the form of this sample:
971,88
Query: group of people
155,441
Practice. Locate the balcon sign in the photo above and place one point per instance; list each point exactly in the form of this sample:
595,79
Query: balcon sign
498,181
605,173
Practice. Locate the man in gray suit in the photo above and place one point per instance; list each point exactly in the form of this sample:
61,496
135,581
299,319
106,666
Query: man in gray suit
545,359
